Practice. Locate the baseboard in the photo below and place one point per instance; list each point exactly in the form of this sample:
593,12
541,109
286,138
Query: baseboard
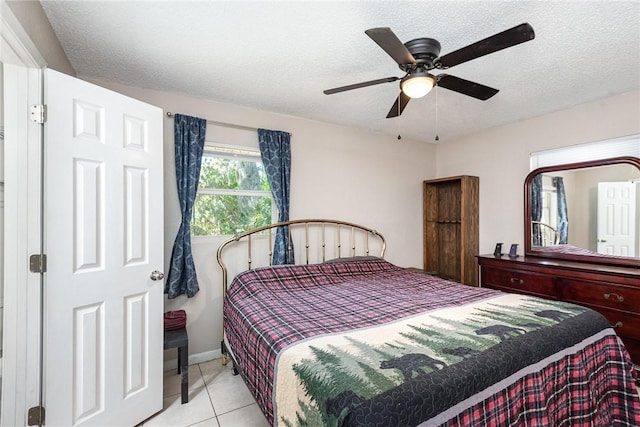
193,359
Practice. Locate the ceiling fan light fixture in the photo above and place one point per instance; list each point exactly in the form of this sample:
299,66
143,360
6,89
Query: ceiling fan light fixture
417,85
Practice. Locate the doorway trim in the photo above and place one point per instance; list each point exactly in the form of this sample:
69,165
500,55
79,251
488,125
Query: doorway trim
22,334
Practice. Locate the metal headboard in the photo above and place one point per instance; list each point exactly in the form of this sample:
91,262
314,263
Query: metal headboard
322,226
546,234
325,225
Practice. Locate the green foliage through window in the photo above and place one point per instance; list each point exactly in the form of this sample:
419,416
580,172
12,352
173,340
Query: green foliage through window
233,194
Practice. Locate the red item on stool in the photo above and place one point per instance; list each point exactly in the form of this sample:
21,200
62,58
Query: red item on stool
175,320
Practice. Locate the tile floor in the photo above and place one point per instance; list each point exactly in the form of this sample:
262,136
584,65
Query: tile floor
217,398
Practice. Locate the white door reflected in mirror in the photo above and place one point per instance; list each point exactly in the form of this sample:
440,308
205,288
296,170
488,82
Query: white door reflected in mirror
618,218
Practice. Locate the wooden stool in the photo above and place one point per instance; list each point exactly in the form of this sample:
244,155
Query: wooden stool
179,338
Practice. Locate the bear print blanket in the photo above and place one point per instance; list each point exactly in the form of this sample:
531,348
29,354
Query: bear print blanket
372,344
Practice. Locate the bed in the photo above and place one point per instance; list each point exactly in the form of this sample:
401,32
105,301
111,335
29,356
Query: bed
349,339
568,249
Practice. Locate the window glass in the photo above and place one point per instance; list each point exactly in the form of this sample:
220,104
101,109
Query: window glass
623,146
233,192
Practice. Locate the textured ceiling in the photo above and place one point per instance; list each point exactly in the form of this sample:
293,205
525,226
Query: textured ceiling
280,56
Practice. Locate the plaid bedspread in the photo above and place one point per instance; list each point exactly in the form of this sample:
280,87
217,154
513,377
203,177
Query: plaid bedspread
575,250
441,365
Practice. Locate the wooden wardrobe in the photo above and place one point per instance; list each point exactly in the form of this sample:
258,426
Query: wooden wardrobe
450,208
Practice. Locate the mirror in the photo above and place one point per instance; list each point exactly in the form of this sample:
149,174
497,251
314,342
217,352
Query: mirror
588,211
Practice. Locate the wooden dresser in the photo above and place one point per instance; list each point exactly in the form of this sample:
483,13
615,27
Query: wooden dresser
614,291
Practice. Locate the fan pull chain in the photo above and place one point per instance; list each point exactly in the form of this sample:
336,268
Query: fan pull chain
398,121
437,137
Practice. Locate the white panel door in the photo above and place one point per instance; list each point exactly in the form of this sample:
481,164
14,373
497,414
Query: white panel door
104,237
617,218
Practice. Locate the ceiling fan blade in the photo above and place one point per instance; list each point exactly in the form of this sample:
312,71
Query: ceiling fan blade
511,37
359,85
389,42
398,106
466,87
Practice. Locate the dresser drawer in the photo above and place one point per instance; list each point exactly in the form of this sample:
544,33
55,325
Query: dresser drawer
601,294
519,282
625,324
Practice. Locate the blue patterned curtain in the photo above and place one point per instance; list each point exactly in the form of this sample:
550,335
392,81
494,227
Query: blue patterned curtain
536,208
275,149
189,144
563,218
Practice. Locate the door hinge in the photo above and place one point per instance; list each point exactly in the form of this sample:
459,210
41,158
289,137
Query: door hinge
35,416
38,113
38,263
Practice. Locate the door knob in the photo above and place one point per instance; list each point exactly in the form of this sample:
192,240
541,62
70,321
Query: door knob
157,275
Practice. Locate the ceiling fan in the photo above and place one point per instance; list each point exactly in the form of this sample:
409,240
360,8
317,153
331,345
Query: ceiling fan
419,56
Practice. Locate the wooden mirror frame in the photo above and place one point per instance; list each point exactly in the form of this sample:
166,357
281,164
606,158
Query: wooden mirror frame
528,246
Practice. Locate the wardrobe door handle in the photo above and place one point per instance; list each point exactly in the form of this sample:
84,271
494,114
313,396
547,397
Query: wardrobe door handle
620,298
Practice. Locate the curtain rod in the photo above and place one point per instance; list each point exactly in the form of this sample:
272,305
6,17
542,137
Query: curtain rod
228,125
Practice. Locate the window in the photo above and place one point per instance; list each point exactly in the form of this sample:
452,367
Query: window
623,146
233,192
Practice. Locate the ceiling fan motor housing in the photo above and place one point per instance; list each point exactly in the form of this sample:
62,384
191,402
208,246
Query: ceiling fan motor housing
419,56
424,51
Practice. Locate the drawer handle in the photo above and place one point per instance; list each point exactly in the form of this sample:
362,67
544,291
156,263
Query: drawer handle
515,280
620,298
617,325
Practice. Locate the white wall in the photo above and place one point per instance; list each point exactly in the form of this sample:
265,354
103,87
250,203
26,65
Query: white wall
500,157
337,172
37,26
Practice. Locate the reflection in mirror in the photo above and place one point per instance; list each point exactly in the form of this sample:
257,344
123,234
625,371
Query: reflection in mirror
589,209
549,217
